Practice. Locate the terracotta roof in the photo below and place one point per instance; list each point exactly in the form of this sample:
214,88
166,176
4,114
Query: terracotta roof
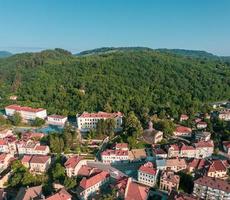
135,191
60,195
101,115
227,144
202,144
26,158
186,147
197,163
213,183
201,123
148,168
41,147
175,162
174,195
57,116
217,165
87,183
2,157
159,151
3,142
24,108
109,152
121,145
39,159
72,161
169,176
183,116
175,147
29,193
87,171
183,129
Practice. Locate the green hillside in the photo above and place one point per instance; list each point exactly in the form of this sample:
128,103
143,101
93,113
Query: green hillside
141,80
4,54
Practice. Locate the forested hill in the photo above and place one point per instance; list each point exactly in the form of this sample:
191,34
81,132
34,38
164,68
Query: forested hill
143,81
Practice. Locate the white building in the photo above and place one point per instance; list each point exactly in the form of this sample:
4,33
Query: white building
56,120
73,165
147,174
27,113
211,188
224,115
111,156
201,125
87,121
92,185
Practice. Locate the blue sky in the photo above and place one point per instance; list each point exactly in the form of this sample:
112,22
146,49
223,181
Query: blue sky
76,25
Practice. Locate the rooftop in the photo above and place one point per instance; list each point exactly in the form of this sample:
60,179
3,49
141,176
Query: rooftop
72,161
101,115
148,168
24,108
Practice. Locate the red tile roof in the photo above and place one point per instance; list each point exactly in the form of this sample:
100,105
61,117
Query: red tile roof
41,147
39,159
61,195
72,161
203,144
24,108
183,129
135,191
197,163
109,152
213,183
2,157
88,171
226,144
3,142
148,168
186,147
121,145
101,115
87,183
217,165
26,158
158,151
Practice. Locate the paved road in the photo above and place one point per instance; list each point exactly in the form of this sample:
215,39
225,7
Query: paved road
115,173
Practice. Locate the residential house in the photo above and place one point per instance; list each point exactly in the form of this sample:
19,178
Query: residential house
30,193
218,169
131,190
159,153
57,120
175,195
147,174
62,194
175,164
91,185
201,135
87,171
27,113
201,125
73,165
184,117
111,156
224,115
8,145
137,154
204,149
226,147
196,164
5,160
5,133
169,181
173,151
151,135
87,121
211,188
182,131
122,146
36,163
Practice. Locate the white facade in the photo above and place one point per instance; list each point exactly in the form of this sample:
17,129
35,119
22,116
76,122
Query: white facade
56,120
27,113
111,156
225,115
88,121
147,175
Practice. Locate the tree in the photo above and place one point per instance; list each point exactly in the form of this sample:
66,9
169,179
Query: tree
132,125
69,183
58,172
38,122
16,119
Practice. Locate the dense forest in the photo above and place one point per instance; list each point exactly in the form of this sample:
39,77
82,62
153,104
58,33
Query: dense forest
141,80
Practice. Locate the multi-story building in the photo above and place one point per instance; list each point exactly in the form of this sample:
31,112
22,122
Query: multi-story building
73,165
56,120
87,121
8,145
90,186
62,194
159,153
5,160
224,115
183,117
218,169
211,188
111,156
36,163
27,113
169,181
147,174
5,133
182,131
32,148
204,149
122,146
201,125
175,164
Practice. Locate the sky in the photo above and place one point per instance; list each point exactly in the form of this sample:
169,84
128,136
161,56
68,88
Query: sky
77,25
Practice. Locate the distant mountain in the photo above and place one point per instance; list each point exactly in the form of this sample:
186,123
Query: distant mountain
190,53
105,50
197,54
4,54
